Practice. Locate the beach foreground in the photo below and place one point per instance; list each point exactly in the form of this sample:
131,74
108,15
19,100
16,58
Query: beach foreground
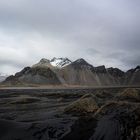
66,114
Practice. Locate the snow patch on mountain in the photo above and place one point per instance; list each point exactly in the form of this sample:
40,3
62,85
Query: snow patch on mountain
60,62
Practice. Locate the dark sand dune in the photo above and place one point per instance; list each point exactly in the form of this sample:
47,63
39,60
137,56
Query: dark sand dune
10,130
49,130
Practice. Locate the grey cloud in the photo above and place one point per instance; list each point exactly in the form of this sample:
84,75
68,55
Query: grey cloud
103,32
92,51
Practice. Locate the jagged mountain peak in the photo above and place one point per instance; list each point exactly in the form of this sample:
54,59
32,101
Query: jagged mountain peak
115,71
101,69
134,70
44,60
43,63
60,62
53,63
60,58
81,61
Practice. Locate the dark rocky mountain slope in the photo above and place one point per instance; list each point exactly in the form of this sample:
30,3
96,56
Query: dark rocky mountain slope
34,75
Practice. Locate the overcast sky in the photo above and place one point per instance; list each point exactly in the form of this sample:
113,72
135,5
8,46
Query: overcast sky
103,32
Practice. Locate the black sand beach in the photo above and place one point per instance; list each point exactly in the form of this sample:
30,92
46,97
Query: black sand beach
39,114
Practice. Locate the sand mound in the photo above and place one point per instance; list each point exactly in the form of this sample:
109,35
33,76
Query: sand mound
130,95
86,104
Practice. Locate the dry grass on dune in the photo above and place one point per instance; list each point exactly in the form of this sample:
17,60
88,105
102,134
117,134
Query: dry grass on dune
130,94
114,106
86,104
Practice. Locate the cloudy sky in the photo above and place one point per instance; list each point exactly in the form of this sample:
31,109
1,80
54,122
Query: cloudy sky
100,31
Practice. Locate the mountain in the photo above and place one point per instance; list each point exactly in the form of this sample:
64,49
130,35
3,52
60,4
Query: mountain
65,72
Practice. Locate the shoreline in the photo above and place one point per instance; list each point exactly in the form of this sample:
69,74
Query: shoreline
65,87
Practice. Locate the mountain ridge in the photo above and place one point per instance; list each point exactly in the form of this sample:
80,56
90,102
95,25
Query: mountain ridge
63,71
